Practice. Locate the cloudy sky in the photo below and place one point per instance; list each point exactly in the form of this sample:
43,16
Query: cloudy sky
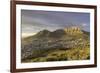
33,21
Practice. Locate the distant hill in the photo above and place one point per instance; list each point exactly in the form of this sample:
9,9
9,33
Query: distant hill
60,39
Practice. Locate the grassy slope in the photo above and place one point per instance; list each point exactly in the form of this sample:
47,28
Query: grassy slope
59,54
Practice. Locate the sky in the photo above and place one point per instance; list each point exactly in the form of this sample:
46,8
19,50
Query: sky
33,21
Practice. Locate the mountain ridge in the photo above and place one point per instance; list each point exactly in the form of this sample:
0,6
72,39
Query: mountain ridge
59,32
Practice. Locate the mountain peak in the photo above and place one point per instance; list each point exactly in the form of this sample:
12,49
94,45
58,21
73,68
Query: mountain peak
43,33
73,30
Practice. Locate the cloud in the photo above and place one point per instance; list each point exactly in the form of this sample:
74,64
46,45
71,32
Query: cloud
35,20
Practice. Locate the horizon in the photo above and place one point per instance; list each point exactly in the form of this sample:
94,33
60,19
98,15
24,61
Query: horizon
24,35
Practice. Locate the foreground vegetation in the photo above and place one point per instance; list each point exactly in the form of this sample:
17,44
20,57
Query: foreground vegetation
60,55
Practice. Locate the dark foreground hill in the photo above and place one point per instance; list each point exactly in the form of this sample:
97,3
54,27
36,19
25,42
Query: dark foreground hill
63,44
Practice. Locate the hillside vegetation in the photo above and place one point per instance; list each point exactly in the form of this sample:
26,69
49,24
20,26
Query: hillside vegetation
60,45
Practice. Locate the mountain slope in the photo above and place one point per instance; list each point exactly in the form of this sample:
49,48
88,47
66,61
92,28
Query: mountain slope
46,41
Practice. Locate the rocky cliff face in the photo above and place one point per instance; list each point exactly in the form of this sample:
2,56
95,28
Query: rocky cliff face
73,30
